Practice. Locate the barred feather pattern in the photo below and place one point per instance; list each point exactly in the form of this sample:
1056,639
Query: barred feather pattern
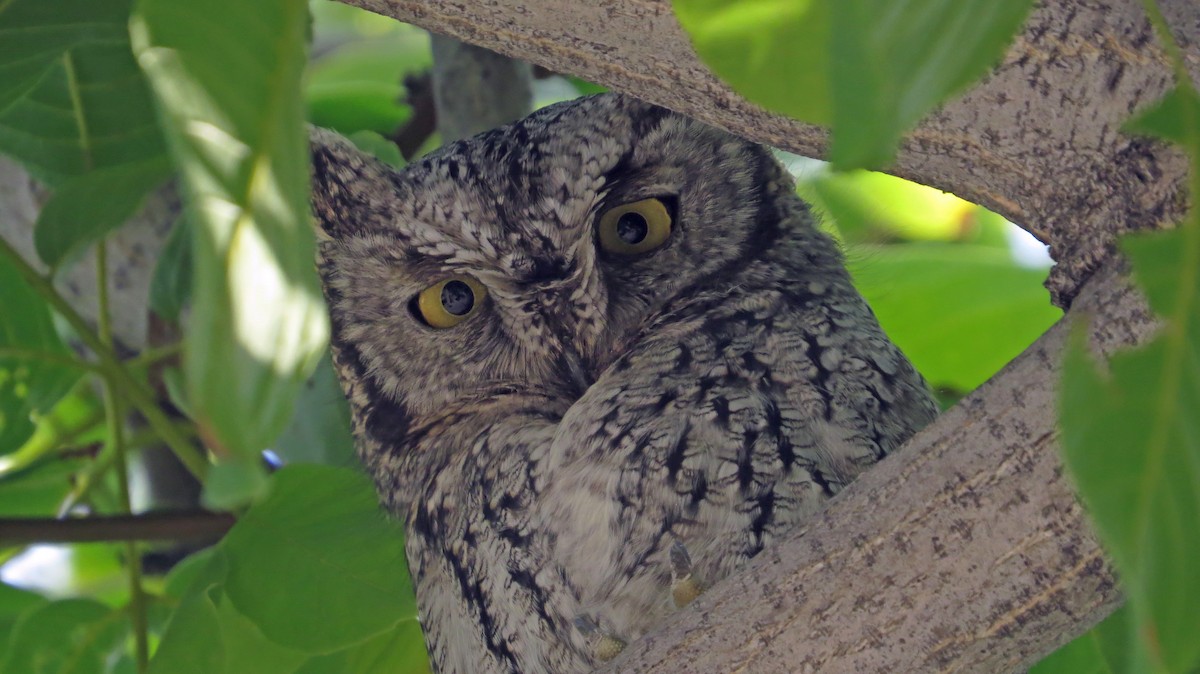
597,412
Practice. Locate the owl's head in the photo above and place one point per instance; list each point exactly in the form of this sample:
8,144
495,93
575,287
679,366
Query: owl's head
526,259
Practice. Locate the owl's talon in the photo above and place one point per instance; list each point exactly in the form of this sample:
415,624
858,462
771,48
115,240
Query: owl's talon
684,586
604,647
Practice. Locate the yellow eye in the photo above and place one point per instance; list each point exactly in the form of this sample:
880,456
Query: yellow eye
447,303
635,228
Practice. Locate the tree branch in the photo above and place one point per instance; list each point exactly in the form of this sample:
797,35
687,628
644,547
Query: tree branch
476,89
175,526
1039,141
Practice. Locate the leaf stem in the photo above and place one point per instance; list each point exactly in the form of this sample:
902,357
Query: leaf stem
50,436
115,420
154,354
111,367
85,480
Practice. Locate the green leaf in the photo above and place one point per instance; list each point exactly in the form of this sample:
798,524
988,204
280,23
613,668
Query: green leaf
398,651
245,647
774,52
207,635
1102,650
892,62
360,86
1131,440
319,546
350,107
229,91
247,650
37,491
960,312
28,386
191,643
177,390
319,431
35,477
73,635
871,68
377,146
584,87
171,285
196,573
1167,119
233,483
85,208
14,602
71,96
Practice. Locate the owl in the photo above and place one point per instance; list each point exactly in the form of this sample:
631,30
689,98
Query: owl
596,359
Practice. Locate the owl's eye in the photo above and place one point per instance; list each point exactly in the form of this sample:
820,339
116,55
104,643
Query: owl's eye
635,228
447,303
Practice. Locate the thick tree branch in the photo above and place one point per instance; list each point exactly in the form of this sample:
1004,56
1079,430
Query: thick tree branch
1039,141
476,89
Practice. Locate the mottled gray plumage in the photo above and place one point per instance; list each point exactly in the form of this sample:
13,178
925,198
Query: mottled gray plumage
599,417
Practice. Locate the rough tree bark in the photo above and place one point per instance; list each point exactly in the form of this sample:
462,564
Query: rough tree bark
1038,141
475,89
966,551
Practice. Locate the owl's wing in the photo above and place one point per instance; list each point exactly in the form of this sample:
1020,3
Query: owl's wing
720,431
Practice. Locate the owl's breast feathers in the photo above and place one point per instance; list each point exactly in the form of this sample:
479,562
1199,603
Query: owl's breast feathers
722,434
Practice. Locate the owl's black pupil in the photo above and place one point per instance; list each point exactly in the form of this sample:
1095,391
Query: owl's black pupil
632,228
457,298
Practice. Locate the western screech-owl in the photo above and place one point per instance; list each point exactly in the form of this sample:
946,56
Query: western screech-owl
597,359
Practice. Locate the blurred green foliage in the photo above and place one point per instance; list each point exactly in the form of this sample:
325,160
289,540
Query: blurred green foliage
355,79
872,68
941,273
256,303
1131,435
311,579
28,386
281,594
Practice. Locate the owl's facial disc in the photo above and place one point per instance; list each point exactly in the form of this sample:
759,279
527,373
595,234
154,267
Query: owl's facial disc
532,257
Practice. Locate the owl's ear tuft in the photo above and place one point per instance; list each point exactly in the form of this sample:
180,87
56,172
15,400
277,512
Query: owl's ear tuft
344,180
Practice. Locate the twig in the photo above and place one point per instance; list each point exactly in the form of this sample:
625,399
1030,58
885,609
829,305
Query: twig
199,525
86,479
115,420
